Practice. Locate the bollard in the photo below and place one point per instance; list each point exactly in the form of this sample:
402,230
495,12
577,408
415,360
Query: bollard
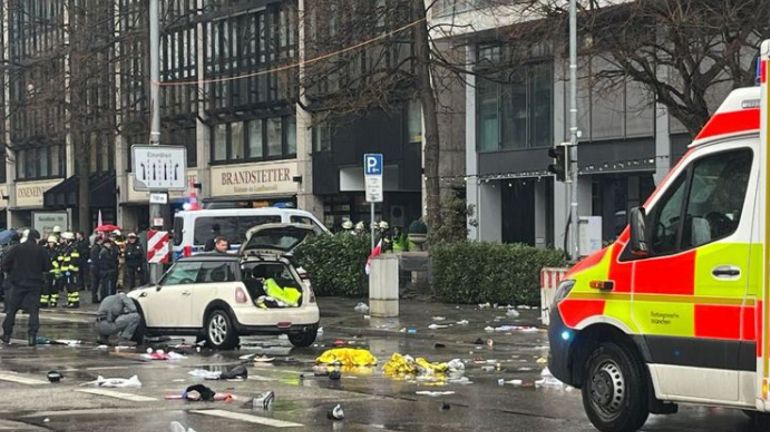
383,286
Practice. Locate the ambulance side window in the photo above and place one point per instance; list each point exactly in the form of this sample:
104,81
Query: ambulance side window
666,215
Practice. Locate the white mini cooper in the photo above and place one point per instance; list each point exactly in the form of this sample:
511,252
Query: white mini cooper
222,296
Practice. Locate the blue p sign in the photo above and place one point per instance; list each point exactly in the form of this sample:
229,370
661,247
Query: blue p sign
373,164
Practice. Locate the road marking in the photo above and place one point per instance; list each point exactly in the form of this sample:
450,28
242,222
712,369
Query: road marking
118,395
20,379
248,418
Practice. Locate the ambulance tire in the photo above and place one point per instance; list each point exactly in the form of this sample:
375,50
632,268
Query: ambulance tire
615,389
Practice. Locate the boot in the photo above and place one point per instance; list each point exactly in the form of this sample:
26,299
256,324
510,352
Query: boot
32,339
6,339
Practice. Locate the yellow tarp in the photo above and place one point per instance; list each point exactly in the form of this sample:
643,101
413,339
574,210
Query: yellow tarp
400,365
347,357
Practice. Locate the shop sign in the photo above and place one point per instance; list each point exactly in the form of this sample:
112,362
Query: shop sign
30,194
254,179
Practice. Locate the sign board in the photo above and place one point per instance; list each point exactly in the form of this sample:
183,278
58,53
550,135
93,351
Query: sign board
158,222
158,198
44,222
159,168
373,168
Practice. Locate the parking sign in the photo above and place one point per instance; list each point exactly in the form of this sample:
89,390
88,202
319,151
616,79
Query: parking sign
373,177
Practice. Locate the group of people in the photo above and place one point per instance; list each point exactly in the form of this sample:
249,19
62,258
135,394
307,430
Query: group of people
392,239
39,270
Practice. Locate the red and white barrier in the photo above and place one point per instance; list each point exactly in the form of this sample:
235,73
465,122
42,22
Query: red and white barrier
158,247
550,277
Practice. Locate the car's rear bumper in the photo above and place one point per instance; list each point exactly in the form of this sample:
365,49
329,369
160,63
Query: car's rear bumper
250,319
246,330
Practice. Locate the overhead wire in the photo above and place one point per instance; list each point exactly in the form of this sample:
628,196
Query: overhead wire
292,65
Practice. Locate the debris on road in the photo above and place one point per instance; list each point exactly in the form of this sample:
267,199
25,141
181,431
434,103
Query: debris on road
361,308
444,406
200,392
101,381
438,318
238,372
336,413
347,357
178,427
434,393
512,313
206,374
462,322
264,400
437,326
549,381
54,376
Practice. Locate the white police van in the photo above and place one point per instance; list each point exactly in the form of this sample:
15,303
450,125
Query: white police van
193,228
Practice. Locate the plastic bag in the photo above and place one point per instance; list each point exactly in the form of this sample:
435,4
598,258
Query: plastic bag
101,381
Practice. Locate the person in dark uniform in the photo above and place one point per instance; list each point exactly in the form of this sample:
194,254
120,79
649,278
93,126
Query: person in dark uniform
108,268
28,264
134,263
211,242
93,264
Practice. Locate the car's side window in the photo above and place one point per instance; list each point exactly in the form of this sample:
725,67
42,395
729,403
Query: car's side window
703,204
216,271
183,272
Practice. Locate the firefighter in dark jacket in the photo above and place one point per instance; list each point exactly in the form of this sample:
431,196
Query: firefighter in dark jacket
108,268
28,264
93,264
71,269
50,296
134,263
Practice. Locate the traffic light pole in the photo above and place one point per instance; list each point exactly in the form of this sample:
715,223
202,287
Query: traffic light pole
156,270
572,160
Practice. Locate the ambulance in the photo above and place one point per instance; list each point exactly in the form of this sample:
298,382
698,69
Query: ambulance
677,310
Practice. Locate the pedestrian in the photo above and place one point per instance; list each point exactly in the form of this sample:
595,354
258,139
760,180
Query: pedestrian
27,263
83,250
49,297
211,242
117,315
71,269
108,268
93,263
134,263
221,245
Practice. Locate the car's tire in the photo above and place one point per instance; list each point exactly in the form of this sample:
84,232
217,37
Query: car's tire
614,388
220,332
141,330
305,338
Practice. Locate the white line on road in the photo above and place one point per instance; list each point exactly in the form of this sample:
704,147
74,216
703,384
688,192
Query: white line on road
118,395
248,418
20,379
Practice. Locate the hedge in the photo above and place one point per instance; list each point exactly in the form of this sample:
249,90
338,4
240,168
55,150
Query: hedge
336,264
475,272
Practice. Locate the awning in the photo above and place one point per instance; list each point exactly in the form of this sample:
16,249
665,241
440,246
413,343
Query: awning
65,194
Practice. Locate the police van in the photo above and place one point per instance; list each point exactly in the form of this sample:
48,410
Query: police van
193,228
677,310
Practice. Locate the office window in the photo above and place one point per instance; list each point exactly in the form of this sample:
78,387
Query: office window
220,142
236,141
274,137
291,135
254,133
486,107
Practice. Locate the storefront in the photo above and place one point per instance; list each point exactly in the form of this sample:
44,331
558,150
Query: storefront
259,184
29,197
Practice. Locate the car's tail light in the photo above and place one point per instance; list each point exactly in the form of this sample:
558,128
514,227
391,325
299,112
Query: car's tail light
312,295
240,296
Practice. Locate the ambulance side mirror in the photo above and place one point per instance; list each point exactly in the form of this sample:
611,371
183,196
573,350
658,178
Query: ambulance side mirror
639,246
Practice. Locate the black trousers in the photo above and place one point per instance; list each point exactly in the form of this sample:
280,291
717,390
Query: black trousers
27,298
109,281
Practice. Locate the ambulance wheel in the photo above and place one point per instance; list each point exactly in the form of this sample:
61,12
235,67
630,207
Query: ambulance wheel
614,389
306,338
220,333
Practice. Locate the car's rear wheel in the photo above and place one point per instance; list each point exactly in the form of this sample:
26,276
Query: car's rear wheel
305,338
220,332
614,389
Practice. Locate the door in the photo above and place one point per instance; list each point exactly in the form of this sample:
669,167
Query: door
169,305
689,295
215,280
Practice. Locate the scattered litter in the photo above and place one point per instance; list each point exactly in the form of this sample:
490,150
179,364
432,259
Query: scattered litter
512,328
335,375
264,400
176,356
200,392
347,357
434,393
361,308
407,367
162,355
437,326
542,360
54,376
479,341
490,343
524,307
178,427
439,318
484,305
411,330
489,329
367,317
512,313
456,365
206,374
46,420
524,369
444,406
462,322
548,381
487,368
102,347
460,381
438,345
336,413
101,381
320,370
320,331
238,372
501,382
263,359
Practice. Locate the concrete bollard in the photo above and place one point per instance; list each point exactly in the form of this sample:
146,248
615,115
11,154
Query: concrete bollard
383,286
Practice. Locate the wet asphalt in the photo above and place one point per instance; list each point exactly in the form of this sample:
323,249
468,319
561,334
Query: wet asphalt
371,401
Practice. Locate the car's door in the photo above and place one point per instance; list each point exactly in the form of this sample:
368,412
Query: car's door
688,295
216,281
169,304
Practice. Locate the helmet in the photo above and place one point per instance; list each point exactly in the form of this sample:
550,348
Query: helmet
57,229
347,225
131,235
52,239
24,235
67,236
360,226
116,233
384,225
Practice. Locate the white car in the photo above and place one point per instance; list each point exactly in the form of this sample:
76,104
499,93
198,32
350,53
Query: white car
215,295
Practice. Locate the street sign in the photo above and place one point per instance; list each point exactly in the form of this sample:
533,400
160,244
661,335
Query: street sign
158,250
159,168
157,222
373,167
44,222
159,198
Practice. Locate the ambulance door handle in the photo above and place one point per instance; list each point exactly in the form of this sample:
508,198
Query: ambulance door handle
726,272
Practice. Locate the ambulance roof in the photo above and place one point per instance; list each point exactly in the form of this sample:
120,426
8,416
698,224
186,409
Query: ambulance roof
738,115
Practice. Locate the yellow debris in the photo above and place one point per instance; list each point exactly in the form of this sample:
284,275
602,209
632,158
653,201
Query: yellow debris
399,366
347,357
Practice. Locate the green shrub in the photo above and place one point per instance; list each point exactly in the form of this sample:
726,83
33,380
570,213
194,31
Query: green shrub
336,264
473,272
